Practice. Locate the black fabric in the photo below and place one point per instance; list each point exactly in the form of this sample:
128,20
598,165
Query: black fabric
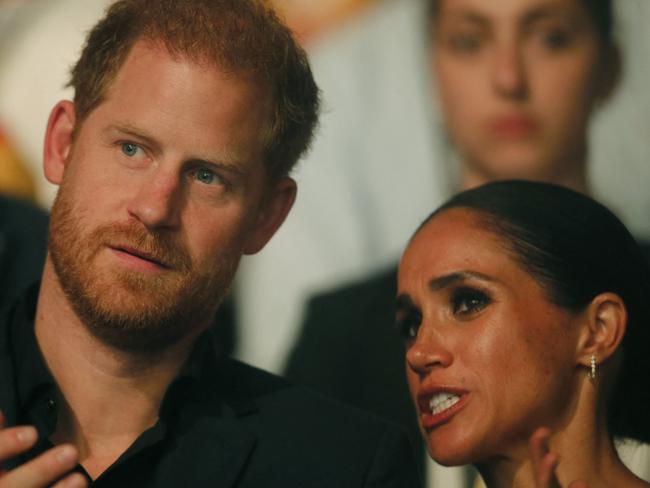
23,243
350,350
222,424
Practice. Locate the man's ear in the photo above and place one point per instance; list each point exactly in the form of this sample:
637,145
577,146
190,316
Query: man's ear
58,140
604,328
276,206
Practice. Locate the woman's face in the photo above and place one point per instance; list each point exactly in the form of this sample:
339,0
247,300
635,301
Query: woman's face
517,81
489,357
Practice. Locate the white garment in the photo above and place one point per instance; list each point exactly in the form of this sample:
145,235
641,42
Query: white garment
620,151
45,40
373,175
379,166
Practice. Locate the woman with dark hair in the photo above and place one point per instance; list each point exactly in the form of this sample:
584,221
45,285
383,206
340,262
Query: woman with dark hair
517,83
525,307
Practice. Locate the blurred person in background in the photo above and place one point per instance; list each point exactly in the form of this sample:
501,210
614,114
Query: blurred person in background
381,140
518,83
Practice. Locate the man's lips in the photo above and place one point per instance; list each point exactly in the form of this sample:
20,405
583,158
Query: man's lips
438,404
132,255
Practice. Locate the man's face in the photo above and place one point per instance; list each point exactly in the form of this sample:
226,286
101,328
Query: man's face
161,192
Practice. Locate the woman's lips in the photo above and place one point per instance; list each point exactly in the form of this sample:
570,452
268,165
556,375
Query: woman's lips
513,126
438,405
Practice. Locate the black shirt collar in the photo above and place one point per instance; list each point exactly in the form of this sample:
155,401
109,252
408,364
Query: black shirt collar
36,387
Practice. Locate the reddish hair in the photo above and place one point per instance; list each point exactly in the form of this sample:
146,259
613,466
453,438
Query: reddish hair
240,36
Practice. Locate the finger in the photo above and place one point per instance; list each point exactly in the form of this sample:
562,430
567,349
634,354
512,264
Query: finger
16,440
75,480
544,462
578,484
42,471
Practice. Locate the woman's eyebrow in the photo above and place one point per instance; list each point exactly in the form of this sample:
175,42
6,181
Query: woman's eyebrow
468,16
444,281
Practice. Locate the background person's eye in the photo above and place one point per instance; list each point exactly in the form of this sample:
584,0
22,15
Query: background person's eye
464,43
466,301
555,39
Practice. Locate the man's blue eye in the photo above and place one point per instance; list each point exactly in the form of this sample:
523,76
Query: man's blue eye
206,176
129,149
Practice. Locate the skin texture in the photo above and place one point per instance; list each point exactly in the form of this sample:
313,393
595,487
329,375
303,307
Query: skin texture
517,83
474,333
163,187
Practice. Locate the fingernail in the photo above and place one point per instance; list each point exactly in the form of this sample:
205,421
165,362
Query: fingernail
27,435
65,454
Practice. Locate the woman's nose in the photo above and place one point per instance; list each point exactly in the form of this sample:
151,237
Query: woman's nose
428,351
158,200
509,72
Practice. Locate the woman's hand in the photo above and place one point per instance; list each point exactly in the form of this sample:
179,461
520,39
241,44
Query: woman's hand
545,462
41,471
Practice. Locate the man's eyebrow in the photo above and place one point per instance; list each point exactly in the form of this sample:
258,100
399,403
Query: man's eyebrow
226,163
444,281
135,132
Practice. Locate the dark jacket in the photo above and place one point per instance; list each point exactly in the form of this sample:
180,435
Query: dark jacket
23,244
222,424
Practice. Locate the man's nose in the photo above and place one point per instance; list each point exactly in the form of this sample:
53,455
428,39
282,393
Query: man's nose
158,201
428,351
509,77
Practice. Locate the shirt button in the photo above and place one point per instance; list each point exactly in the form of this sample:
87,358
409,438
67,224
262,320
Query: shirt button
51,404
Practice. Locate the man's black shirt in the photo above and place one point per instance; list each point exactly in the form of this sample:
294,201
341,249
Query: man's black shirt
221,423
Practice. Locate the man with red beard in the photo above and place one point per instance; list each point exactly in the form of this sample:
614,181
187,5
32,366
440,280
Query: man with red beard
172,162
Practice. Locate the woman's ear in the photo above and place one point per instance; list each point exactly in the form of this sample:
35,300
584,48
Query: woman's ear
604,328
58,140
276,206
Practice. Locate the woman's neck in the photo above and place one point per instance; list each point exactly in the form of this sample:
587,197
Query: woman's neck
571,174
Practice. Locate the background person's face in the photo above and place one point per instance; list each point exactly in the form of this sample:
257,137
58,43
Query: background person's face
483,335
158,196
517,81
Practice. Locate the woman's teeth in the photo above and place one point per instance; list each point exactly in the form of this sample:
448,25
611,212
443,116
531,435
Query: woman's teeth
442,401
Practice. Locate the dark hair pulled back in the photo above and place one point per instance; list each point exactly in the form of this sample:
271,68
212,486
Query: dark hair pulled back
577,249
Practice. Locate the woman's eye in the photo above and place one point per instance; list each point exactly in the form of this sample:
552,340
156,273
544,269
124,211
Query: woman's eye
466,301
409,324
464,43
130,149
555,39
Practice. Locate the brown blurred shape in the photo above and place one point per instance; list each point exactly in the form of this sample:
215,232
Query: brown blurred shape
310,19
15,179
